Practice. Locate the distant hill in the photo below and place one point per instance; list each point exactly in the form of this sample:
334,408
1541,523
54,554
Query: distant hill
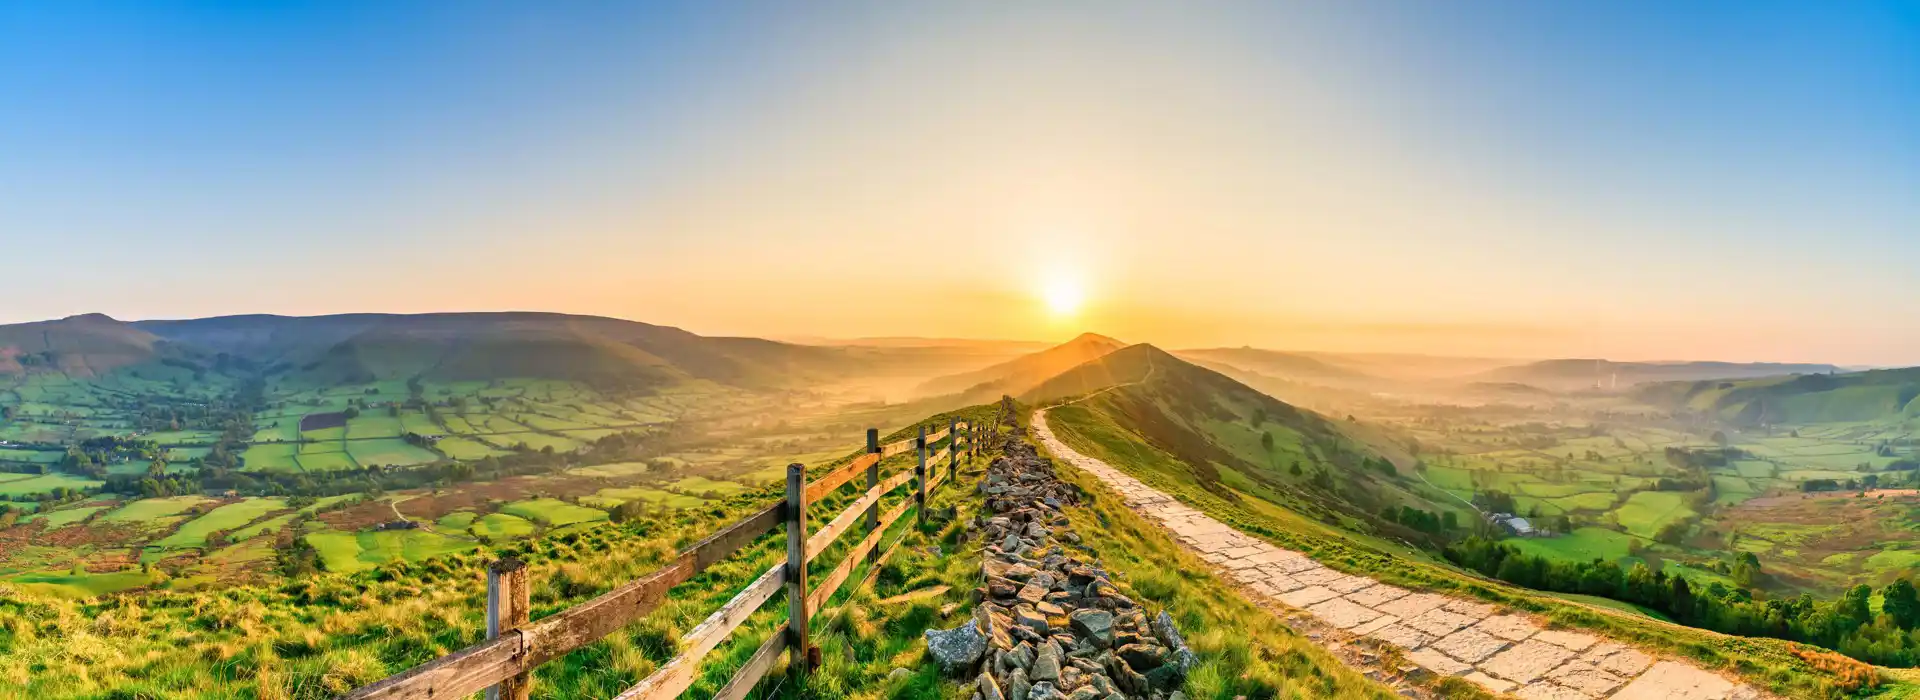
1807,398
1576,374
1015,377
460,346
1207,430
82,346
1281,365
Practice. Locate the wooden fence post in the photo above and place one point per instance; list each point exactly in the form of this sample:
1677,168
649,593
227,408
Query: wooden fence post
797,649
873,480
953,453
920,476
507,610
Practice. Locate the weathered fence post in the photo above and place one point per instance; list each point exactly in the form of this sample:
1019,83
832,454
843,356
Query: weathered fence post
873,481
507,610
797,574
920,476
953,452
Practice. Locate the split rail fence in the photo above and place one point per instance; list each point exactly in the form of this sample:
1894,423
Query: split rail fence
503,664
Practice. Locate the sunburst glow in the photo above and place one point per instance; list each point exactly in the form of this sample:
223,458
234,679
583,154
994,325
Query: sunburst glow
1063,296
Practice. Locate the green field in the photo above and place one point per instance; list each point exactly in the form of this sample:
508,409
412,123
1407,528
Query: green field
495,526
228,517
392,452
1584,544
152,509
66,516
78,586
553,512
32,484
652,496
1647,511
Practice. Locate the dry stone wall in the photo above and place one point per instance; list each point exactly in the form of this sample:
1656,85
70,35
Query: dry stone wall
1049,623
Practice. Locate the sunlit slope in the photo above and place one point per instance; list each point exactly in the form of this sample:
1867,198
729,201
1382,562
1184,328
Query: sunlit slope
1021,374
1200,429
1809,398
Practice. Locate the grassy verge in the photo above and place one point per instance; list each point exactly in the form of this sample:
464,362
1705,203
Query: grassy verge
1768,663
1244,650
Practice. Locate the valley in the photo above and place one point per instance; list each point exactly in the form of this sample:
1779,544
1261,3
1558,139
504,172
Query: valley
252,459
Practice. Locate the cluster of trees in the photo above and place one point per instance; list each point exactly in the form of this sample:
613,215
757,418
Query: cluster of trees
1421,520
1847,625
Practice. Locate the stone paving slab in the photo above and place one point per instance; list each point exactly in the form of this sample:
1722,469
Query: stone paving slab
1504,653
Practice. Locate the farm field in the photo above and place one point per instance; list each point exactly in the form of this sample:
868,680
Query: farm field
1600,476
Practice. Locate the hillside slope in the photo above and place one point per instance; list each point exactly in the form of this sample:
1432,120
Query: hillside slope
1576,374
1205,430
82,346
1016,376
459,346
1807,398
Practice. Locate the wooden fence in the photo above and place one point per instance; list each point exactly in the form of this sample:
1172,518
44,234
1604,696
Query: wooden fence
503,664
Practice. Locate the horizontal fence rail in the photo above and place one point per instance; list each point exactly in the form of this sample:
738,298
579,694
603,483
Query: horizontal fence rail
503,664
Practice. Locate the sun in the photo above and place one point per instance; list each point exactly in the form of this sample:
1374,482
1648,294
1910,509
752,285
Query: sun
1063,296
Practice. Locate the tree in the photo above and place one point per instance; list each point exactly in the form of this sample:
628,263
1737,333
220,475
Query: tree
1296,469
1902,602
1854,608
1266,441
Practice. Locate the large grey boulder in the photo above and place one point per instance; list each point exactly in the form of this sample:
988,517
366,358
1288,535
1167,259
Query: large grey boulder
957,649
1094,624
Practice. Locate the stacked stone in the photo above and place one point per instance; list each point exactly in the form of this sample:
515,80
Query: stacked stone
1050,625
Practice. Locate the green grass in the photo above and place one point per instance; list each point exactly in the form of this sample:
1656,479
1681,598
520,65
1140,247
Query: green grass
371,425
1583,544
228,517
699,484
44,483
654,496
553,512
327,462
1645,512
389,453
619,470
151,509
495,526
66,516
78,586
271,458
467,449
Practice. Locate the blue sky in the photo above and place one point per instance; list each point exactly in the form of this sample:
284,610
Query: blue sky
1630,179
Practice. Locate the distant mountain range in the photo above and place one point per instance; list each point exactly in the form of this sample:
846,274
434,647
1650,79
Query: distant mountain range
352,348
1573,375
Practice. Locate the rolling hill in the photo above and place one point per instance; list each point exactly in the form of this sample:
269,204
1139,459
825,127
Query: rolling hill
462,346
90,345
1577,374
1808,398
1280,365
1019,375
1209,432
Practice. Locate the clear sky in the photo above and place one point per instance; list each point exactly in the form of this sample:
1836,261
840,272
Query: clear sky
1639,180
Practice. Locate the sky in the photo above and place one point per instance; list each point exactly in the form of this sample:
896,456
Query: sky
1634,180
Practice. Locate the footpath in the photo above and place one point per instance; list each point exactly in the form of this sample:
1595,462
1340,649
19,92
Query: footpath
1503,652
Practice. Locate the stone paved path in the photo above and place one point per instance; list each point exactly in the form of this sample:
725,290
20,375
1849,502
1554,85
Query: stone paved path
1505,653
